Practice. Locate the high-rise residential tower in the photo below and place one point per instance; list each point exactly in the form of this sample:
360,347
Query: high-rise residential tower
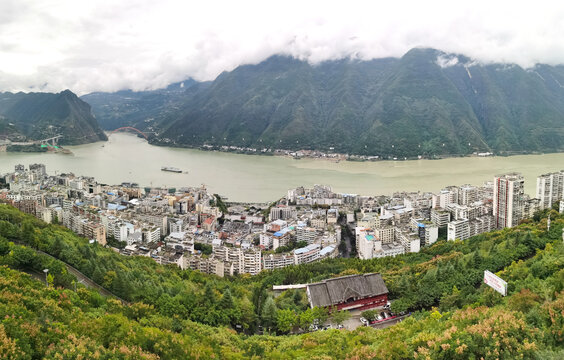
550,188
508,200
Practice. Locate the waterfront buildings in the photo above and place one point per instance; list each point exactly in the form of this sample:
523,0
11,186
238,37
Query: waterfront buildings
183,227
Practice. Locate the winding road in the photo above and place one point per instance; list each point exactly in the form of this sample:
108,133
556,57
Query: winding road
83,279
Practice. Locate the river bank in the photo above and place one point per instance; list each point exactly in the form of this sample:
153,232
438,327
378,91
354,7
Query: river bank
254,178
317,154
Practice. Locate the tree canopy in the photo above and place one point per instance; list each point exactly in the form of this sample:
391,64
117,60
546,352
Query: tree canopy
170,313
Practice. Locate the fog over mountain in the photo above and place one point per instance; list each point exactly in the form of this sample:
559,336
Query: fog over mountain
105,45
427,103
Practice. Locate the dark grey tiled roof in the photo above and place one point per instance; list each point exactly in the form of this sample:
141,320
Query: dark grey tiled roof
338,290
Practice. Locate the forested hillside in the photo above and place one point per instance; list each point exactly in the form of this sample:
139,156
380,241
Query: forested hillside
455,316
123,108
43,115
425,103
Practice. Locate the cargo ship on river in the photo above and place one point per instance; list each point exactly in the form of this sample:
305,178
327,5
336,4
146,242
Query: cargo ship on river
171,169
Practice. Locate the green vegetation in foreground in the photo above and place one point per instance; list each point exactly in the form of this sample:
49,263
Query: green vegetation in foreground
169,305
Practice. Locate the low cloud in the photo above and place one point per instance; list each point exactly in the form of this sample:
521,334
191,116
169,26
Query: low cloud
445,61
104,45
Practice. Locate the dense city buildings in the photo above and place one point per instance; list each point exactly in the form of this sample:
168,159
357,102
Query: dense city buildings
187,226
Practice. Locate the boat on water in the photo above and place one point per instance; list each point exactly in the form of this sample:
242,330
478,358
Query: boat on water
171,169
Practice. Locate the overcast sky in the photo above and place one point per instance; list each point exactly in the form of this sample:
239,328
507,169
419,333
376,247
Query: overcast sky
96,45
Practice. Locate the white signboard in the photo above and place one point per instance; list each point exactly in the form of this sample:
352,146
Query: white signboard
495,282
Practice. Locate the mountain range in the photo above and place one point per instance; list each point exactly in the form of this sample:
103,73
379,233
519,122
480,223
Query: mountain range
127,107
425,103
43,115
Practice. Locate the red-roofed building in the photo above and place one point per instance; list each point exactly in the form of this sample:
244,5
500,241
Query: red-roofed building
209,224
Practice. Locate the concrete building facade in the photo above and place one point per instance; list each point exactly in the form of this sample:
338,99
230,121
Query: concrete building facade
508,200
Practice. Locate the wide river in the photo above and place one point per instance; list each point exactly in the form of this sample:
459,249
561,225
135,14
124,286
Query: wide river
253,178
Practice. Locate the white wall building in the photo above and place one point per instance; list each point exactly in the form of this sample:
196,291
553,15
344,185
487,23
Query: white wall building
458,229
307,254
306,234
508,200
151,234
440,217
409,240
550,188
467,194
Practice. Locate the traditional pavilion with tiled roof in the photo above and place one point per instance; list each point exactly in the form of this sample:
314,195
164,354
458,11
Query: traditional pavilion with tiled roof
349,292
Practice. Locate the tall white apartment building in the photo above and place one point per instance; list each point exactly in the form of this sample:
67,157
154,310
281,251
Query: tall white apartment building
508,200
550,188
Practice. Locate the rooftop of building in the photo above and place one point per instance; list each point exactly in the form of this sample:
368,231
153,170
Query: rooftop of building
338,290
283,232
306,249
327,250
